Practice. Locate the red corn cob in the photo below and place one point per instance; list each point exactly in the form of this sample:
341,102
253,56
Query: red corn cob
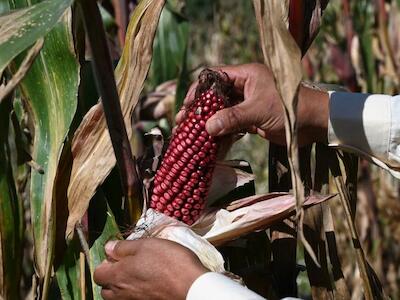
182,181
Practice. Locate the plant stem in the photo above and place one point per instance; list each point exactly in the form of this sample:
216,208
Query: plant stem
83,241
82,275
106,85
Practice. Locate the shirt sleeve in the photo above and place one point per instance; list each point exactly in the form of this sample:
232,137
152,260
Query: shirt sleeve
214,286
367,124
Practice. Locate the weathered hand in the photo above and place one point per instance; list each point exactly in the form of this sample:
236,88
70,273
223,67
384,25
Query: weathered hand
261,111
148,268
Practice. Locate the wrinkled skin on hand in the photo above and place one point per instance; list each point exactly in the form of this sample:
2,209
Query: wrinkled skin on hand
149,268
261,110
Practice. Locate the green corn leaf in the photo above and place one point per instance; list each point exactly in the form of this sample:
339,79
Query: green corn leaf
170,52
183,83
11,216
103,228
50,90
169,47
96,254
4,6
363,11
69,273
108,19
20,28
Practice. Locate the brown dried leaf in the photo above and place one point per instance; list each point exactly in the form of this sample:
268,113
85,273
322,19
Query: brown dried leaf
283,57
279,48
248,215
93,157
218,226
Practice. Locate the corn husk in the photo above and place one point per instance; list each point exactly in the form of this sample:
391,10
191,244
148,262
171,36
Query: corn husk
219,226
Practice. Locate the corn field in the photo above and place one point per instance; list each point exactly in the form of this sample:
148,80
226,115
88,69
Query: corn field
89,91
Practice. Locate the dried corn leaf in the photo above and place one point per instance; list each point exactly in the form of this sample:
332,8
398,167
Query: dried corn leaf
249,214
52,108
219,226
283,57
91,146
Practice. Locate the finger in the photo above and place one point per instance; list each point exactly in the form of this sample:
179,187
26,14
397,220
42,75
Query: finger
262,133
186,102
180,116
252,129
230,120
119,249
191,93
174,129
108,294
103,274
238,74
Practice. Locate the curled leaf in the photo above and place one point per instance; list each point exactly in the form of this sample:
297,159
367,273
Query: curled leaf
249,214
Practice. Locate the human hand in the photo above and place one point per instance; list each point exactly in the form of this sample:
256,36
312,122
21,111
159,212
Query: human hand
149,268
261,110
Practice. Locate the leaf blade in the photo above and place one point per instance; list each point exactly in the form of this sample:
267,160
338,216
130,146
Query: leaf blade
11,226
96,252
50,90
21,28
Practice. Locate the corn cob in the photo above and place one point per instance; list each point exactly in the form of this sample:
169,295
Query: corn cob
183,179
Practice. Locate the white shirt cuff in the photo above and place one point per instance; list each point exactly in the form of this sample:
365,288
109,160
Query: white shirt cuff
368,124
394,142
214,286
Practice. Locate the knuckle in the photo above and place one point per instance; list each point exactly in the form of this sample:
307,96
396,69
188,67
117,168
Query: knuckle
234,118
96,274
257,65
117,248
258,68
121,247
106,294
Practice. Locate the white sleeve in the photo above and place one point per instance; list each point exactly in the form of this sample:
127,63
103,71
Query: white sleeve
214,286
368,124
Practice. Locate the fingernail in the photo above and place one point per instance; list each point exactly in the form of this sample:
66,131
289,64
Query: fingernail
214,126
109,247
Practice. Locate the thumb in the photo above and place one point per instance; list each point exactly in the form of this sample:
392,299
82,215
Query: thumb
230,120
116,250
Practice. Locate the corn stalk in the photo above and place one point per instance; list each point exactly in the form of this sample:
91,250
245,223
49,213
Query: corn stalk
91,146
111,105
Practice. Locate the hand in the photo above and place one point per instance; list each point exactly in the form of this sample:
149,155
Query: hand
149,268
261,110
